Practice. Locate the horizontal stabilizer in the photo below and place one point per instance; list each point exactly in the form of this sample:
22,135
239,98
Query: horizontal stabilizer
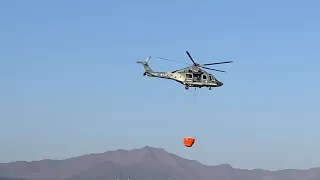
145,65
148,59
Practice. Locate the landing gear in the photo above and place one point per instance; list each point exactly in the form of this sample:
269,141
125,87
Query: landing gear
210,88
144,73
186,87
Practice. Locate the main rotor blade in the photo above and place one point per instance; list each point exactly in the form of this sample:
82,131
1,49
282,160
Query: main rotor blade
172,60
191,58
213,69
217,63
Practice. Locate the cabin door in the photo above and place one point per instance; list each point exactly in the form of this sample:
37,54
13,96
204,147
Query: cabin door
204,78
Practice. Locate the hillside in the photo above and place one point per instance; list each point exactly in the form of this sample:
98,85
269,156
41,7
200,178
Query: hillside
5,178
141,164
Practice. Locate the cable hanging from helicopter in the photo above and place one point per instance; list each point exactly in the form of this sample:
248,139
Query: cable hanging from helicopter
189,141
190,76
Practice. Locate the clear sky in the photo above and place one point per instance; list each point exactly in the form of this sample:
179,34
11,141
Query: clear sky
70,85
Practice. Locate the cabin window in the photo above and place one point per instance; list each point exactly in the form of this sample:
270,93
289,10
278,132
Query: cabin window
204,77
189,76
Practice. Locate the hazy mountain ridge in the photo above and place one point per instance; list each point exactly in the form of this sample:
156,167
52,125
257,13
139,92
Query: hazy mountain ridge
5,178
141,164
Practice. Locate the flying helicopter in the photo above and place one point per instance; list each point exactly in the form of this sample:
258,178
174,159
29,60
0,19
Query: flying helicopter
190,76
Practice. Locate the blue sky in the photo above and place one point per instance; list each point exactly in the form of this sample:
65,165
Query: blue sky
70,84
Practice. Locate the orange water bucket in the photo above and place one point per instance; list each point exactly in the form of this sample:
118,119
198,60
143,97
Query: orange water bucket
188,141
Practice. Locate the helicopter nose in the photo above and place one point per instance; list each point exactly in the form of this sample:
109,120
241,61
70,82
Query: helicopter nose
219,83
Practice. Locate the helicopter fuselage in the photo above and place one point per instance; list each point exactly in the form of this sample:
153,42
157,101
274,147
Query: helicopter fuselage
191,76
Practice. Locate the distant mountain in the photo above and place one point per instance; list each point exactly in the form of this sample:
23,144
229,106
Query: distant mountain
140,164
5,178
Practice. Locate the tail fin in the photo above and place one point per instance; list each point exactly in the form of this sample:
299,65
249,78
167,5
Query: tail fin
145,64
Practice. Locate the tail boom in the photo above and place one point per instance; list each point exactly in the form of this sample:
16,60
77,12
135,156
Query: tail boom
149,72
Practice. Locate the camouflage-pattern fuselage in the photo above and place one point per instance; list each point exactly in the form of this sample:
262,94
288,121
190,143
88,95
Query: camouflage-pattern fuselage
191,76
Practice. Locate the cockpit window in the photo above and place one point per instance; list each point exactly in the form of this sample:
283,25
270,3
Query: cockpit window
212,78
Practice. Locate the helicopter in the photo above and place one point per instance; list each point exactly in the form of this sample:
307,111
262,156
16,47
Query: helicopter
190,76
